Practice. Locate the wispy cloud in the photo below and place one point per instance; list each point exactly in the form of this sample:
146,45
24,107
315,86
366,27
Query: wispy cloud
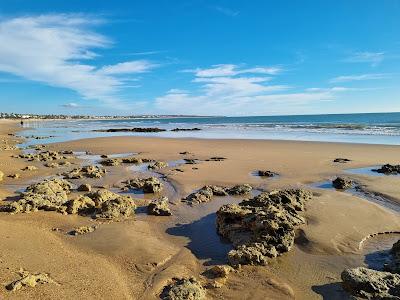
55,50
359,77
373,58
234,90
226,11
70,105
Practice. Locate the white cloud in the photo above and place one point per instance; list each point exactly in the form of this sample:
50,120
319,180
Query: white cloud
54,49
373,58
70,105
232,70
359,77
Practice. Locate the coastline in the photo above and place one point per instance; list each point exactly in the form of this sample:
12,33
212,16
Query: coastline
336,221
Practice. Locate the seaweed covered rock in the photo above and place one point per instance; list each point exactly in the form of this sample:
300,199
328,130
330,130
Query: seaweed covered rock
29,280
183,289
147,185
49,194
159,207
371,284
87,171
157,165
341,183
262,227
388,169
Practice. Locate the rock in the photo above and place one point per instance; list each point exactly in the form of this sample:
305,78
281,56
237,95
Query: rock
52,165
111,162
216,158
240,189
341,160
342,183
81,205
87,171
67,152
44,156
49,194
103,156
30,168
157,165
1,176
82,230
219,271
183,289
148,185
190,161
159,208
29,280
394,265
205,194
388,169
15,176
184,152
186,129
262,227
84,188
137,129
266,173
110,205
370,284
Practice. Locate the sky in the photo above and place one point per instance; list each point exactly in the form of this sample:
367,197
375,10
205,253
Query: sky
198,57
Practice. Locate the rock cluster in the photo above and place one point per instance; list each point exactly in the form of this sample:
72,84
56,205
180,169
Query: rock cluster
216,158
45,156
84,188
147,185
159,207
266,173
183,289
394,265
52,195
186,129
157,165
29,280
388,169
341,183
262,227
30,168
111,162
135,129
87,171
206,193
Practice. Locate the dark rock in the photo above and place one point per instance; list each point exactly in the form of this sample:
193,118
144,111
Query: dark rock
190,161
136,129
157,165
87,171
240,189
342,183
84,188
266,173
388,169
341,160
186,129
110,162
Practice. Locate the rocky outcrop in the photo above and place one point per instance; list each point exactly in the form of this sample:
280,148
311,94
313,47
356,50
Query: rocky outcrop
44,156
266,173
186,129
132,160
135,129
183,289
157,165
159,207
206,193
371,284
262,227
239,190
216,158
147,185
341,183
15,176
82,230
111,162
87,171
341,160
29,280
388,169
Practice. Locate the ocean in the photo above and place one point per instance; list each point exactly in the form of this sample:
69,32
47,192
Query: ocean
369,128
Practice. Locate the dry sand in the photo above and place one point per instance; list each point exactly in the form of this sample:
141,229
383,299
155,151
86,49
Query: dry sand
135,258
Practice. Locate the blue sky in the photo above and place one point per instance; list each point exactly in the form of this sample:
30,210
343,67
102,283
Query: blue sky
199,57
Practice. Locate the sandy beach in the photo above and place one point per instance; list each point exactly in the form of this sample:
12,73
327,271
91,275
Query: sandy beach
135,258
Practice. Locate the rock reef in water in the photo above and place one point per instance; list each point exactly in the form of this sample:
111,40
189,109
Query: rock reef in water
371,284
262,227
206,193
159,207
388,169
183,289
186,129
147,185
87,171
341,183
135,129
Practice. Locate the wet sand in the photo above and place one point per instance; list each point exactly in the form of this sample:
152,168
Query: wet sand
134,259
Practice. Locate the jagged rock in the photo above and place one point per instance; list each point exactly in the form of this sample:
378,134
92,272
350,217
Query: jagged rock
29,280
266,173
84,188
30,168
159,208
136,129
370,284
44,156
388,169
342,183
67,152
240,189
111,162
157,165
148,185
262,227
219,271
205,194
80,205
132,160
183,289
87,171
49,194
1,176
82,230
341,160
110,205
184,152
15,176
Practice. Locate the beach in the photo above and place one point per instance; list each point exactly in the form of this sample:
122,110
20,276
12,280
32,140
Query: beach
136,257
